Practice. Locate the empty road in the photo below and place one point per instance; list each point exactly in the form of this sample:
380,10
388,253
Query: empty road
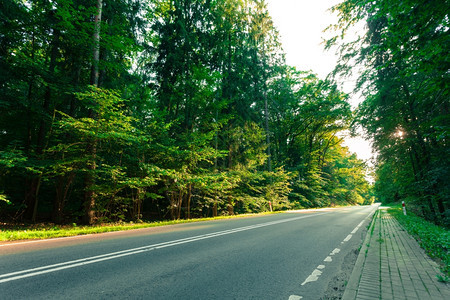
290,255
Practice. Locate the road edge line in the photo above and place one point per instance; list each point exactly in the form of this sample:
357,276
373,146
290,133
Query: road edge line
352,286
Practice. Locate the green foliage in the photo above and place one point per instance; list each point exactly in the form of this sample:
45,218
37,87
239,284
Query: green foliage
277,189
404,54
194,114
4,199
443,279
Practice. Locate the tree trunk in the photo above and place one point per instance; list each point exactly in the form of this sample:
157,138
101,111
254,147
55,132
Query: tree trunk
30,195
47,96
33,217
172,206
215,209
179,202
266,113
137,204
230,155
189,201
230,206
96,43
91,149
64,184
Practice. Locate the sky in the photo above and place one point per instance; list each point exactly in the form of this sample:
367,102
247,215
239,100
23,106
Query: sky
301,24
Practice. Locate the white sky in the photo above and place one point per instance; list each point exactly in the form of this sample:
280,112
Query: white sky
301,24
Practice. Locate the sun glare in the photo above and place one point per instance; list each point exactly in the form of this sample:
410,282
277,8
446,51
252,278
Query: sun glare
399,133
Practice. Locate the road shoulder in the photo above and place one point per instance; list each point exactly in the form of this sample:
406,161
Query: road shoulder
391,265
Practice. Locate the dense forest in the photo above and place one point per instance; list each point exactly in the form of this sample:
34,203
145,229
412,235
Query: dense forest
117,110
405,58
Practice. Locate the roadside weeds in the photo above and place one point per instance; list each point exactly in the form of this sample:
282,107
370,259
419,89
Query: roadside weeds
49,230
435,240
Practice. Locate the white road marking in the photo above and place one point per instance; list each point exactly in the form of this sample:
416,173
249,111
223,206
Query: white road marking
316,273
348,238
357,227
313,277
335,251
108,256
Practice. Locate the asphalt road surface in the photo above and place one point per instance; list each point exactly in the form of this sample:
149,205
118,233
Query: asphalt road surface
290,255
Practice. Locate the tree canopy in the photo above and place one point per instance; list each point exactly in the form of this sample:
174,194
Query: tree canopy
153,109
405,61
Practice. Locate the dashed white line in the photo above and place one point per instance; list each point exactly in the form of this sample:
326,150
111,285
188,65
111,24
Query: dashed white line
313,277
357,227
348,238
317,272
335,251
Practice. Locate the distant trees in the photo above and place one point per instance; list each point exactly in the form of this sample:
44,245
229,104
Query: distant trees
405,80
123,110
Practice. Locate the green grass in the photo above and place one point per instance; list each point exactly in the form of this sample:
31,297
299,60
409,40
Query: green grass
46,231
374,219
434,239
371,227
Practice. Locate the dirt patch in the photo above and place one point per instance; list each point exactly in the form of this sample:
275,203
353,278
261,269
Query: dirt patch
337,285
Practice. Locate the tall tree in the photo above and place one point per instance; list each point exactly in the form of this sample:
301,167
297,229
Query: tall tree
130,109
406,88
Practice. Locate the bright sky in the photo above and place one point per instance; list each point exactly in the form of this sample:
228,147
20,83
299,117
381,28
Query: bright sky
301,24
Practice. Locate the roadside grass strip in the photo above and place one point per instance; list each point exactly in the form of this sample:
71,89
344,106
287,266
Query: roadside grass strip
47,231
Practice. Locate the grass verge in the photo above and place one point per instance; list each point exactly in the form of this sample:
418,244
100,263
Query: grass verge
46,231
435,240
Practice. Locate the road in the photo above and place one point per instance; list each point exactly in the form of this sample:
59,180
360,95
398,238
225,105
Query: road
280,256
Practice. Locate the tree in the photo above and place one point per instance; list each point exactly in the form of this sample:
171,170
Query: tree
406,108
130,110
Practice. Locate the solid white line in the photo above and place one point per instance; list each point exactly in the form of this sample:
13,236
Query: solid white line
69,266
108,256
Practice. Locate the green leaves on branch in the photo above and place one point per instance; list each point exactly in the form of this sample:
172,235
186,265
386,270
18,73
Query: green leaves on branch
405,83
111,122
194,114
